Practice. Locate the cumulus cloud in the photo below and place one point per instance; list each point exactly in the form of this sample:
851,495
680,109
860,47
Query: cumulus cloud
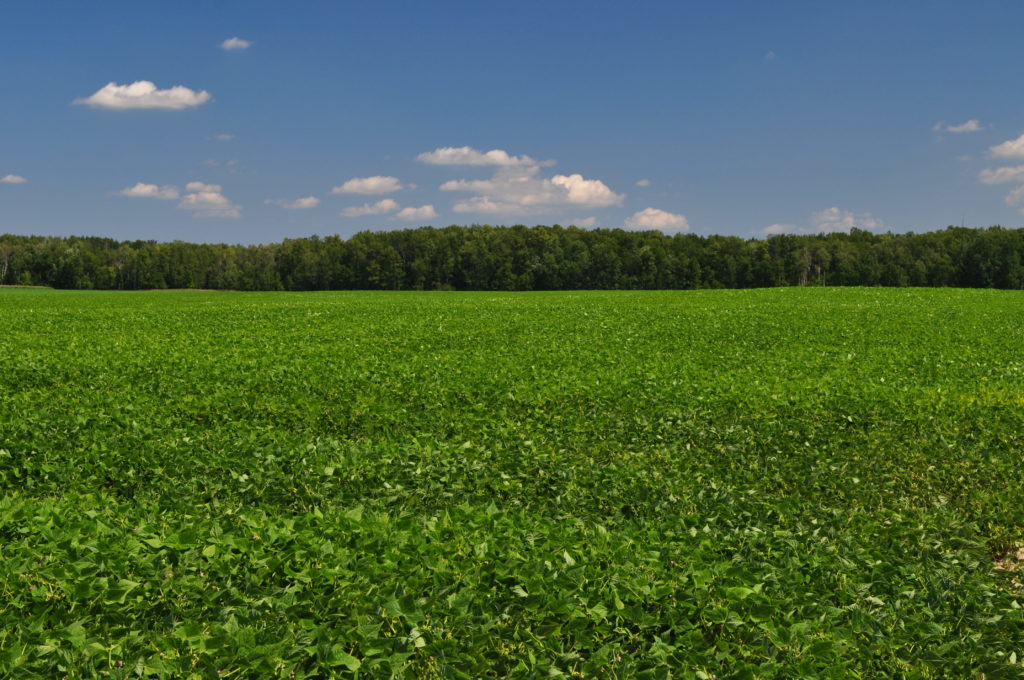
235,44
829,221
369,185
583,222
465,155
833,220
1002,175
592,193
298,204
143,190
653,218
424,212
515,190
208,200
1015,197
970,126
13,179
379,208
1012,148
643,182
143,94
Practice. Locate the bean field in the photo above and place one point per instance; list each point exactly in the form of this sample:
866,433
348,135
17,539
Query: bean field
776,483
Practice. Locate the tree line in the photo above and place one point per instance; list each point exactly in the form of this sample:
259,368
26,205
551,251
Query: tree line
523,258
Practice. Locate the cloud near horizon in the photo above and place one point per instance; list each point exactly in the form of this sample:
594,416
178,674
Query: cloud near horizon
143,94
655,219
829,221
517,188
424,212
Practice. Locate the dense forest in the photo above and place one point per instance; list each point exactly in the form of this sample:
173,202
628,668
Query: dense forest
524,258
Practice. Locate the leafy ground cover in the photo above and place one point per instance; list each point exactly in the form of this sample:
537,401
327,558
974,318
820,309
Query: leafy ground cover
812,483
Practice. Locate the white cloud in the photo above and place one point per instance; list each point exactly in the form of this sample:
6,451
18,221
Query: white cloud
773,229
208,200
592,193
224,136
828,221
13,179
1002,175
970,126
522,191
369,185
583,222
465,155
833,220
143,94
1012,148
653,218
379,208
424,212
298,204
236,44
643,182
1015,197
142,190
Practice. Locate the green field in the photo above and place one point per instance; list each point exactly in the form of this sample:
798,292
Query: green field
782,483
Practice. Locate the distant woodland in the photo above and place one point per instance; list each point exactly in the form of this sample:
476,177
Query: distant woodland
524,258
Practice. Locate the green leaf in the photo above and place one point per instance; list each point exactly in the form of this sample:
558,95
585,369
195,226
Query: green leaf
339,657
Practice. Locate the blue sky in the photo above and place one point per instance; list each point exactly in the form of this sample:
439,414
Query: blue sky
741,118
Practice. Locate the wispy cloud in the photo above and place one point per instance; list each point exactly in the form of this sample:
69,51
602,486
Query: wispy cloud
1015,197
465,155
143,94
235,44
143,190
1002,175
381,207
298,204
643,182
972,125
13,179
424,212
369,185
